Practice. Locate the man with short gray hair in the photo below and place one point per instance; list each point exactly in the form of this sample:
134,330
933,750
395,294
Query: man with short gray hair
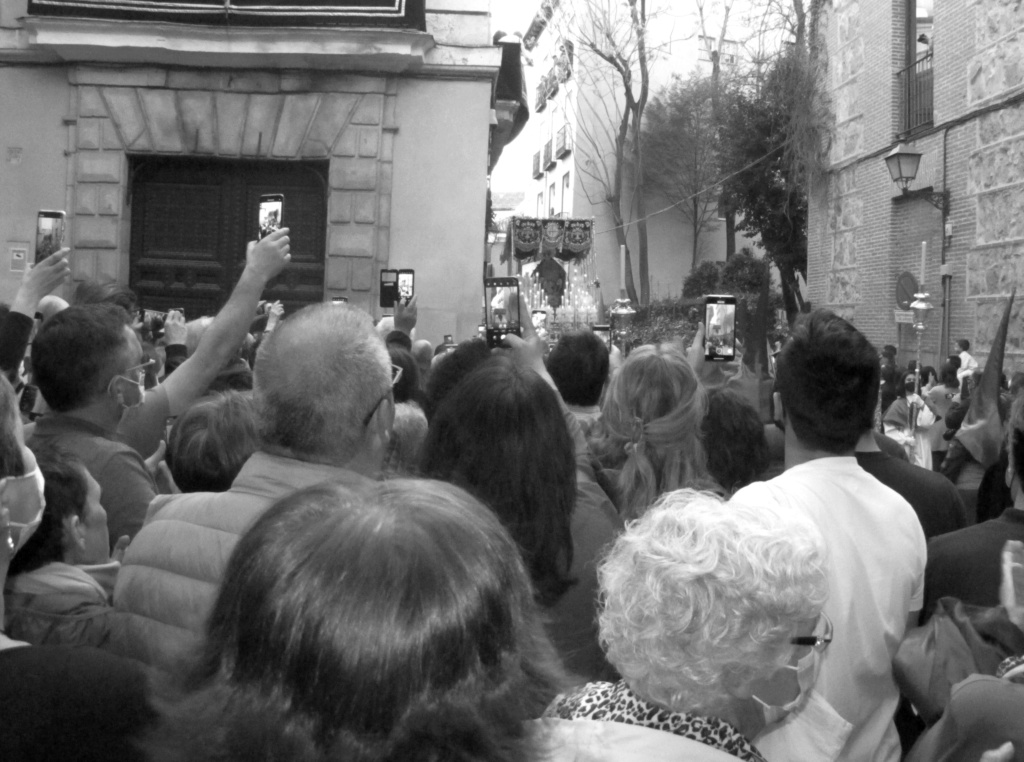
322,385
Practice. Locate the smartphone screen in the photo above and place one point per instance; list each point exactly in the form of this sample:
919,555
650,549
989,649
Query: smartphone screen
501,295
339,300
388,288
604,332
406,282
720,328
49,233
271,212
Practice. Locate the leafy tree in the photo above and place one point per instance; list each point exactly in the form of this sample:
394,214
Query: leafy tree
614,59
744,273
704,280
680,153
771,176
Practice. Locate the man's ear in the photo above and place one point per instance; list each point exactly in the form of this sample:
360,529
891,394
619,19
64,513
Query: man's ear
74,532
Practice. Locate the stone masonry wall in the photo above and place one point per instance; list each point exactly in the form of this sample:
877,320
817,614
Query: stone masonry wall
347,119
860,236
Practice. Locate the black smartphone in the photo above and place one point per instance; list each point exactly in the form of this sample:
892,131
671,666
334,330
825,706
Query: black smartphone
719,327
406,285
339,300
448,340
501,295
49,233
271,213
388,288
604,332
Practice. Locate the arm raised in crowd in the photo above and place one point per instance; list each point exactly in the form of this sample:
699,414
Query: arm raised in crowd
16,329
263,261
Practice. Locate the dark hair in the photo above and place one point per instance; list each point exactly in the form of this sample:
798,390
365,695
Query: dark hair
928,374
74,354
947,375
11,461
501,435
734,439
955,361
446,374
408,387
210,442
828,375
964,344
65,494
889,351
1016,383
392,621
110,292
579,366
907,383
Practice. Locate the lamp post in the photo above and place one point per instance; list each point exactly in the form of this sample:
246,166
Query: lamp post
903,164
921,308
622,315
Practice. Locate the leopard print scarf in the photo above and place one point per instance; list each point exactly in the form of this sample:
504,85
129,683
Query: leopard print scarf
615,702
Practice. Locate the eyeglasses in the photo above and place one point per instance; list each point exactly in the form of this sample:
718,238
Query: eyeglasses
137,373
396,376
817,642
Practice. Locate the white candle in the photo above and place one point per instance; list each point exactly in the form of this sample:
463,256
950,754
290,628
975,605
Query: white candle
622,267
924,253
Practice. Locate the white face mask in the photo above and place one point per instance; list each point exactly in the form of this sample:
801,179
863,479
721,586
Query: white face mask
806,675
22,496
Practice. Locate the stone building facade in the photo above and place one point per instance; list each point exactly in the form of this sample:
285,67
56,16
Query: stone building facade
395,125
955,94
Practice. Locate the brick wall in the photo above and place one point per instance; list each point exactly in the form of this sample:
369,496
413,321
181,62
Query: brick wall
860,237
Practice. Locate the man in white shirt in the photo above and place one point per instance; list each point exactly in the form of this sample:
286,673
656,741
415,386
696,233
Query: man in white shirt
967,362
828,376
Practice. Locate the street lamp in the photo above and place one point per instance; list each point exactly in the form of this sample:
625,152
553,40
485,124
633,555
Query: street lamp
921,308
622,315
903,164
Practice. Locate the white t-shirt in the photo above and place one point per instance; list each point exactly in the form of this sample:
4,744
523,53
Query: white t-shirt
876,577
967,365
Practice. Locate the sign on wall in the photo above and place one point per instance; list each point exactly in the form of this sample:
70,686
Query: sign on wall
361,13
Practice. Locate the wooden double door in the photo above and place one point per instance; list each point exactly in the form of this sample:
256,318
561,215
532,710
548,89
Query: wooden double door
192,218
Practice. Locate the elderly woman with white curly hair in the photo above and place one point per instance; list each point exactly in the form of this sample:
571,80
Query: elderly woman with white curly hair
712,615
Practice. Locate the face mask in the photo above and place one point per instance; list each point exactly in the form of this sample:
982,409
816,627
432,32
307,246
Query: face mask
23,497
806,674
129,393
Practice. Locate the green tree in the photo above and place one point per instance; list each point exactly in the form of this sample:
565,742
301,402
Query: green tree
763,147
703,280
681,153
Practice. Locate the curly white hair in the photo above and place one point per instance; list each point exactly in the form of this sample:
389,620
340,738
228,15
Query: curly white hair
701,596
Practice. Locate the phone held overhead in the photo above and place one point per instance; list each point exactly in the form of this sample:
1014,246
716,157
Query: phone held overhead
501,296
719,327
49,233
271,213
395,286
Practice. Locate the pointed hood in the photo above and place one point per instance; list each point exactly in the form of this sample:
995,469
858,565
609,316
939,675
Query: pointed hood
982,430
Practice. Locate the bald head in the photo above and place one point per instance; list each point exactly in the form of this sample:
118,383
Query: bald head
318,377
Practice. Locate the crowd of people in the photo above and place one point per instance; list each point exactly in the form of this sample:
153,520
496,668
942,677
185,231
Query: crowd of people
308,537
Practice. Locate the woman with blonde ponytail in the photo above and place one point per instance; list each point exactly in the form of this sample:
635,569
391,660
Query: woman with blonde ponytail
651,428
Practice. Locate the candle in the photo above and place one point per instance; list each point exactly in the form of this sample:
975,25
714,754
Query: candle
924,251
622,267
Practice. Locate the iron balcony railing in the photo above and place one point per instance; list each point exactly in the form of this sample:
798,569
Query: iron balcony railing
550,162
562,147
917,87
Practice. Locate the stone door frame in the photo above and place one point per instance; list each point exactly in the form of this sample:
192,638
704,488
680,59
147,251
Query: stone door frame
348,119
